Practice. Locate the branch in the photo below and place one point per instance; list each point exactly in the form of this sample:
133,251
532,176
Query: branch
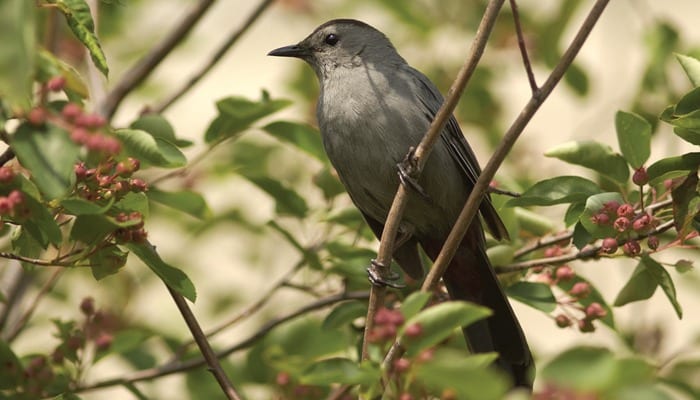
418,159
172,368
586,253
481,187
523,47
232,39
139,72
204,347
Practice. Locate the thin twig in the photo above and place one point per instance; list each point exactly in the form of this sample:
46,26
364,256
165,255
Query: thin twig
481,187
204,347
587,252
146,65
523,46
543,242
232,39
176,367
22,321
419,157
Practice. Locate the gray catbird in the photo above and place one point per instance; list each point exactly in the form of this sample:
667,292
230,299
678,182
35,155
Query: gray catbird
373,107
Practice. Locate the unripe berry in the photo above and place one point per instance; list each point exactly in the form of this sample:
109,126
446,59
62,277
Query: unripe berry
595,311
6,175
75,342
15,198
5,206
81,171
138,185
111,145
71,111
57,83
562,321
585,325
103,341
653,242
80,135
37,116
426,355
600,219
552,251
610,207
632,248
406,396
609,245
57,356
580,290
625,210
642,223
282,378
402,365
565,273
621,224
413,330
87,306
640,176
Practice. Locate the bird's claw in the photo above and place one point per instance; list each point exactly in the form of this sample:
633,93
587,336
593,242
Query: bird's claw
380,275
406,168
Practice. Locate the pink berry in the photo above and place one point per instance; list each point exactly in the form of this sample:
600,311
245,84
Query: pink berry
283,378
56,84
600,219
15,198
632,248
103,341
111,145
565,273
621,224
625,210
585,326
138,185
6,175
552,251
562,321
79,135
580,290
609,207
402,365
37,116
640,176
653,242
413,330
87,306
609,245
71,111
595,311
642,223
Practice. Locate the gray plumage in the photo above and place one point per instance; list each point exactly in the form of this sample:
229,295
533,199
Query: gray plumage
372,108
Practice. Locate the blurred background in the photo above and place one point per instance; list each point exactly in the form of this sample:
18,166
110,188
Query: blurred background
234,257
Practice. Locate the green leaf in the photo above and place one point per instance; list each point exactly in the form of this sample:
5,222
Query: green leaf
642,284
344,314
107,261
79,20
173,277
686,109
573,213
594,155
577,79
582,368
500,254
532,222
236,114
151,150
467,376
536,295
49,66
41,224
686,205
17,21
80,206
288,202
594,205
634,137
673,167
159,127
414,303
689,135
559,190
303,136
10,368
340,370
187,201
49,155
691,66
439,321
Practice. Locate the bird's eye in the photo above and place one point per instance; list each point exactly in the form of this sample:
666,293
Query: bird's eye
331,39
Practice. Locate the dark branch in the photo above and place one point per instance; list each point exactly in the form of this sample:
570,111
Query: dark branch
523,46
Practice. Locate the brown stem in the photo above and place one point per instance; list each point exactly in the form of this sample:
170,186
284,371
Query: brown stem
523,47
232,39
481,187
204,347
144,67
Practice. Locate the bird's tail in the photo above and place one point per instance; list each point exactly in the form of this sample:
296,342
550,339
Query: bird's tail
470,277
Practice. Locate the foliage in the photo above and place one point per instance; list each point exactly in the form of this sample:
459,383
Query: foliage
79,192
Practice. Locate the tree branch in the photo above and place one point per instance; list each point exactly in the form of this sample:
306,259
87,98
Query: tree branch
417,161
176,367
144,67
232,39
522,46
481,187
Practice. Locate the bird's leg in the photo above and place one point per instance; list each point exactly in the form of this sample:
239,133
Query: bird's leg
380,274
407,167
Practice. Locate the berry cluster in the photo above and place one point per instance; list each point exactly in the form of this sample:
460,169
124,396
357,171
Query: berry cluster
13,205
133,233
109,179
87,130
386,323
629,225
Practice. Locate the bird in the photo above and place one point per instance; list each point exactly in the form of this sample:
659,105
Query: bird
373,108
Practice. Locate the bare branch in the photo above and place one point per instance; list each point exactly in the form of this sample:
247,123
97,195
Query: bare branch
523,46
144,67
232,39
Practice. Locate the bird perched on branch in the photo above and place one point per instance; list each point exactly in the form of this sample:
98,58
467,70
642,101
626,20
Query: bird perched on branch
372,109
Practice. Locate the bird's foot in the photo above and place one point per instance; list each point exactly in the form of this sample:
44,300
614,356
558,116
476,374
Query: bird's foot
406,169
380,275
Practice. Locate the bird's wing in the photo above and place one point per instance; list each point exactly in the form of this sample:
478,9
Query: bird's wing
459,149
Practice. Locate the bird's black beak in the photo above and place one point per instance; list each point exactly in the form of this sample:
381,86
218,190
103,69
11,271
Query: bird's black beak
294,50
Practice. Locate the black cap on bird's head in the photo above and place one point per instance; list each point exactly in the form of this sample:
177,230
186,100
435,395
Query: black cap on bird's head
341,42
